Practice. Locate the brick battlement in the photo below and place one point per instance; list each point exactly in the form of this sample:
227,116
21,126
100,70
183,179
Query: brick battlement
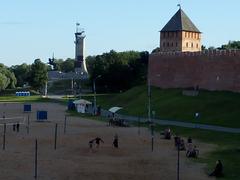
211,70
200,53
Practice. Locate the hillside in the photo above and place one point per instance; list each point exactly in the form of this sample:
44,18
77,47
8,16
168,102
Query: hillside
216,108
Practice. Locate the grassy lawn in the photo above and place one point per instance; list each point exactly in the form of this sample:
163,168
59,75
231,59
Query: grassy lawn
216,108
34,98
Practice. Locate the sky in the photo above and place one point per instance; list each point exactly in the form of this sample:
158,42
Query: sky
31,29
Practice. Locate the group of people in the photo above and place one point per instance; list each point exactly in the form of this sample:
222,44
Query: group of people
98,140
16,127
192,151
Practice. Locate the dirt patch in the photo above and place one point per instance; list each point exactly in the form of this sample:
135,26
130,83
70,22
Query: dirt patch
74,160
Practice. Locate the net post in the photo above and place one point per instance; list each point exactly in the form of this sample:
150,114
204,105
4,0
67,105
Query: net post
55,142
28,125
36,158
178,160
65,123
152,133
4,136
138,125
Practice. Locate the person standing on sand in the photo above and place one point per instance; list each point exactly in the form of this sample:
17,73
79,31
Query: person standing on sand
90,143
98,140
115,141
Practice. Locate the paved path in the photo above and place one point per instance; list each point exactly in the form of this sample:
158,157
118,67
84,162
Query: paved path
177,123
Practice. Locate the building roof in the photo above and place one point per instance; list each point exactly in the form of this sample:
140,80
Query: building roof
180,22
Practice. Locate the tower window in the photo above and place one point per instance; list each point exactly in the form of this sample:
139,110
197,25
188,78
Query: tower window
172,44
192,45
176,44
197,45
168,44
186,44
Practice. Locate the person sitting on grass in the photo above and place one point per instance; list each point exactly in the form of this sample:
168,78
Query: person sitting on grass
167,133
218,171
177,140
192,151
182,145
189,140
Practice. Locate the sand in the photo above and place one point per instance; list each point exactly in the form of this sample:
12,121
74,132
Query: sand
73,160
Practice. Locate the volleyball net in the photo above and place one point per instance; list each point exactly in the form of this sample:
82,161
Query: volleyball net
12,120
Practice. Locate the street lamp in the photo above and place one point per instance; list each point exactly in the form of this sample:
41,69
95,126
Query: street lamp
94,89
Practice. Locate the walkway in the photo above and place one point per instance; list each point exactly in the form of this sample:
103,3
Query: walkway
175,123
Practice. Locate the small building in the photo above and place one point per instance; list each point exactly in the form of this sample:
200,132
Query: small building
180,35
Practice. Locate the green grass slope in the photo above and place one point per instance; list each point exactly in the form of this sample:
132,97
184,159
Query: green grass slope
216,108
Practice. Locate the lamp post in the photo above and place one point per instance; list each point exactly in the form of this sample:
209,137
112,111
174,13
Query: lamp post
149,101
94,90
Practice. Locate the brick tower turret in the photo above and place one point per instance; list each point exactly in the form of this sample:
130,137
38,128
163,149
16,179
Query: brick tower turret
180,35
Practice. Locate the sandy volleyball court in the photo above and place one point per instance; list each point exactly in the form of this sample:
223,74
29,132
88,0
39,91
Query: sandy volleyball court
73,160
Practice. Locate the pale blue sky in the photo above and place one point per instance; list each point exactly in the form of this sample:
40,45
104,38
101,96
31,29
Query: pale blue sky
33,29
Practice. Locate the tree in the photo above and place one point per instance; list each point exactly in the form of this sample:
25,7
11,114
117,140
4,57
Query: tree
119,70
231,45
7,78
3,82
157,49
38,74
67,65
22,73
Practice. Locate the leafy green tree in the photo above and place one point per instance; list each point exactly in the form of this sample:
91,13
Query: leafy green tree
38,74
8,79
67,65
3,82
157,49
119,70
231,45
61,65
22,73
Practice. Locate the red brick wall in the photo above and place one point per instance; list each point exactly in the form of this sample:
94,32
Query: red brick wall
211,70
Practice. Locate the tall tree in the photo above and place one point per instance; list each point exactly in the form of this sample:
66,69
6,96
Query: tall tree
38,74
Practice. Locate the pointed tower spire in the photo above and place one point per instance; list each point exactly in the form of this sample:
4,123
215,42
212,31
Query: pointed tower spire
180,34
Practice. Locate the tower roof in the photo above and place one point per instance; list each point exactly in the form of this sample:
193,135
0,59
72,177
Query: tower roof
180,22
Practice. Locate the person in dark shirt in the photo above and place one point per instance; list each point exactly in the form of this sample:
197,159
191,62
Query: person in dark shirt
18,126
90,143
98,140
218,171
115,141
189,140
